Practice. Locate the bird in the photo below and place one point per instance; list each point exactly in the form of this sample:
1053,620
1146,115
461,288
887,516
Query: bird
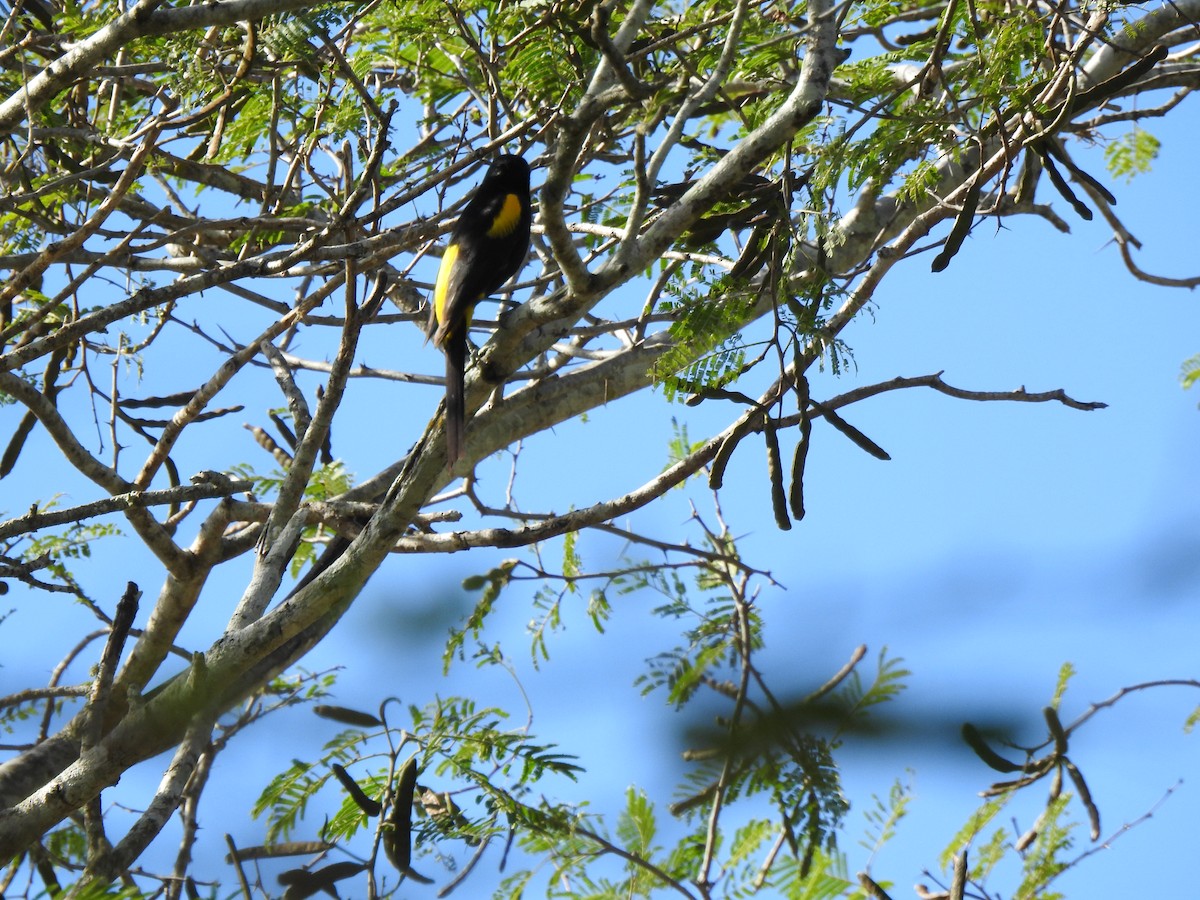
488,246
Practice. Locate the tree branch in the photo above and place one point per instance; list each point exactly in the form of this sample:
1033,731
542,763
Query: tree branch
140,20
206,485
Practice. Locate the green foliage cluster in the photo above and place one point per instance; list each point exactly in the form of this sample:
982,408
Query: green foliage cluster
1131,154
1190,371
766,770
781,754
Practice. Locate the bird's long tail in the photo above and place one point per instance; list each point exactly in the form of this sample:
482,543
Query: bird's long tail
456,362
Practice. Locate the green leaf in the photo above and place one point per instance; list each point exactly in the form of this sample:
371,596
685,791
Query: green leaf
1043,860
973,827
826,877
285,799
1189,372
1065,674
1132,154
883,817
636,825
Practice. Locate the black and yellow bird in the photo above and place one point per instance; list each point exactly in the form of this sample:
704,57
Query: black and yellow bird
488,246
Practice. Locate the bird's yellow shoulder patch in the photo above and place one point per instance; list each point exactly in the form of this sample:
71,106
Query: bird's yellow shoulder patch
507,219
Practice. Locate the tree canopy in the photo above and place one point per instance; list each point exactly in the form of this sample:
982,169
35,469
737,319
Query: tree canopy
233,210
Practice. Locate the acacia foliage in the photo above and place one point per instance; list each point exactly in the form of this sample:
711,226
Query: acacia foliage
249,192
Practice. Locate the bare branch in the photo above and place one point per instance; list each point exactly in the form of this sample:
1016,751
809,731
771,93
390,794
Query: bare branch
206,485
1142,275
934,381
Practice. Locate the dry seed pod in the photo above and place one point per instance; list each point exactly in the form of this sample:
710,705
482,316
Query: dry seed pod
796,494
1085,797
993,759
1060,185
775,473
1056,730
347,716
860,440
365,803
267,442
301,883
962,226
397,839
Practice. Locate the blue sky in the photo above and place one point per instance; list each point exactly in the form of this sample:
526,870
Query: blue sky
1000,541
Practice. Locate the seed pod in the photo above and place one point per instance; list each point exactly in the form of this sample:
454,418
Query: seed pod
1056,730
860,440
397,839
301,883
796,494
267,442
347,716
775,473
1085,797
365,803
1120,81
443,810
1052,147
716,471
962,225
993,759
1060,185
